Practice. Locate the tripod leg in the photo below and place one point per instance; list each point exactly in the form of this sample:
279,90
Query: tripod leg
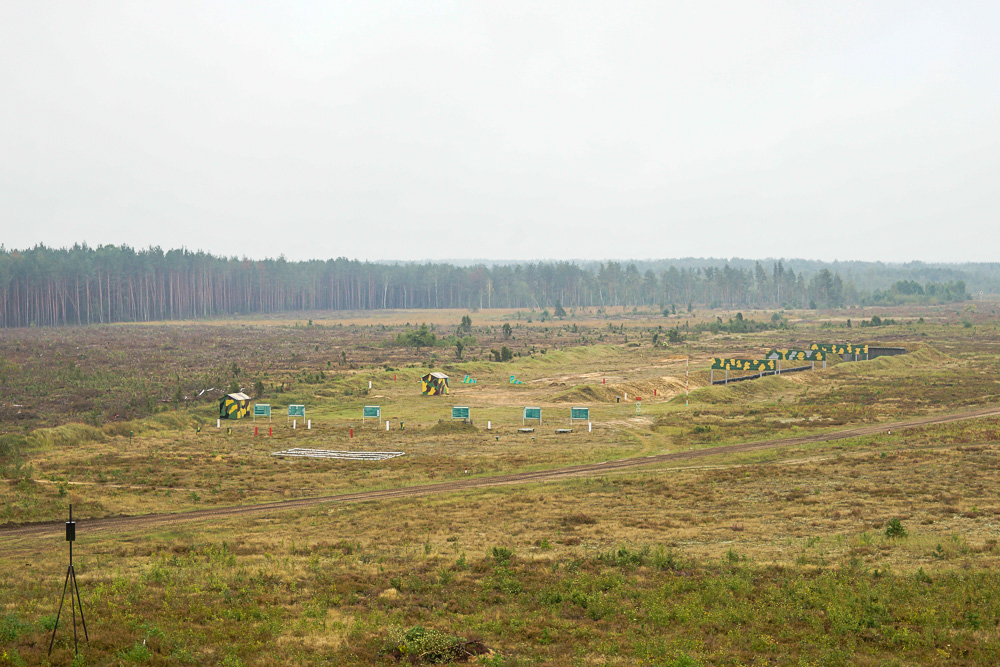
82,620
59,613
72,606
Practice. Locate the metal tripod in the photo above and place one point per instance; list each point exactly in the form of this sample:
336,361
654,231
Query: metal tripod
70,575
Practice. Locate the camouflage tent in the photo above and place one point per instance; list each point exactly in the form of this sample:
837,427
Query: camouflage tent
434,384
234,406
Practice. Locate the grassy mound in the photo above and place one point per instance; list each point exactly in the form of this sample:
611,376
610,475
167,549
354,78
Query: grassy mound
766,387
709,395
443,427
76,433
11,446
922,357
67,434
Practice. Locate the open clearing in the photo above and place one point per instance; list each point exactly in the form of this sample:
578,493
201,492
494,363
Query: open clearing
146,521
602,547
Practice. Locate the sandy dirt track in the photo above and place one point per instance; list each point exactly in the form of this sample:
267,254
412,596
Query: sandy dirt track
140,523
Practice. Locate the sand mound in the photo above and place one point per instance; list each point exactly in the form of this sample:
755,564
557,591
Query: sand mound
586,393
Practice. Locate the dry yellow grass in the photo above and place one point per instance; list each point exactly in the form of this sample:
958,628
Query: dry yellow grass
337,572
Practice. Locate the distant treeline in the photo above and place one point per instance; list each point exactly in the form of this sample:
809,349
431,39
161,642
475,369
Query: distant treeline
83,285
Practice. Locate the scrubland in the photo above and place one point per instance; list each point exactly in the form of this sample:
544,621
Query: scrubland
879,549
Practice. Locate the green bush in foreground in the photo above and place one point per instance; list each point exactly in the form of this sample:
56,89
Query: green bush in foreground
427,645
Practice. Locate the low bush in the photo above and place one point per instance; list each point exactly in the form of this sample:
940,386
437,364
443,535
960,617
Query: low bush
426,645
895,528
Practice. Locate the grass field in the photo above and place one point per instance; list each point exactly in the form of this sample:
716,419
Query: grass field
873,550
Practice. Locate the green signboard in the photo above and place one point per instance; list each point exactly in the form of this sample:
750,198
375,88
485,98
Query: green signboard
743,364
460,412
579,413
532,413
261,410
296,411
373,411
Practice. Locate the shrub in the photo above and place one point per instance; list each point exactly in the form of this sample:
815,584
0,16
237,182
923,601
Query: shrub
895,528
625,558
503,354
421,337
502,555
11,627
420,644
665,559
136,653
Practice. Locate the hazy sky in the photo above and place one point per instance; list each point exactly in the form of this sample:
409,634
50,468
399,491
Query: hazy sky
504,130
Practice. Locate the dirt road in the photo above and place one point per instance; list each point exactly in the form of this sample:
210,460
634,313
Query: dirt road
150,521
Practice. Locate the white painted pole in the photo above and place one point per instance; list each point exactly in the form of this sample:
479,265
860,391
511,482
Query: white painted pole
369,384
293,424
218,423
386,424
309,424
590,427
626,395
489,426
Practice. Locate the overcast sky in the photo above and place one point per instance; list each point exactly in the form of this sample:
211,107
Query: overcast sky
504,130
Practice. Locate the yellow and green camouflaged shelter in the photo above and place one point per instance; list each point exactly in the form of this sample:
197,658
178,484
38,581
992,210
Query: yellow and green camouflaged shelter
434,384
234,406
